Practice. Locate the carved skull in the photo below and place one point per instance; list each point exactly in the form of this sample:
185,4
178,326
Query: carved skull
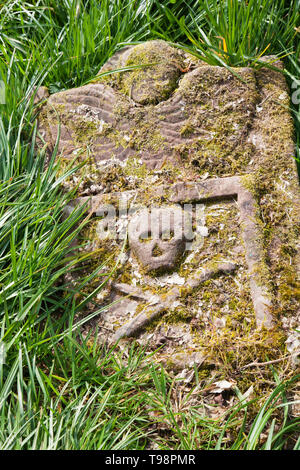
158,237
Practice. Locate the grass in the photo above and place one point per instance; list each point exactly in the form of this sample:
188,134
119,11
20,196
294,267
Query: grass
59,390
232,32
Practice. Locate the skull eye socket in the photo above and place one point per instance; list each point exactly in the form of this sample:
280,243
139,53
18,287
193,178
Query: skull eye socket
167,235
146,236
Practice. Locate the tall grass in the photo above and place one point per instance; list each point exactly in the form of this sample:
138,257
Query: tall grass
57,389
78,37
231,32
190,427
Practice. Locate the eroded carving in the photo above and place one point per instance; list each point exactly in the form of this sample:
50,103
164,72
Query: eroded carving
180,131
158,237
156,113
161,67
158,304
242,190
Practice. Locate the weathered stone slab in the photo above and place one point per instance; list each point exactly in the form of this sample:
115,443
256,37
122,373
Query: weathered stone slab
191,184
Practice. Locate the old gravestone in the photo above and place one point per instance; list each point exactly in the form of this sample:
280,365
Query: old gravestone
192,189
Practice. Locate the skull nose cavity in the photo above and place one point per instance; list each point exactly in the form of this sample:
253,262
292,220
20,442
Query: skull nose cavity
156,251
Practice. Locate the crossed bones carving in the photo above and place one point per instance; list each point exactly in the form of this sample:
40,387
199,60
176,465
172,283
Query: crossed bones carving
212,189
157,304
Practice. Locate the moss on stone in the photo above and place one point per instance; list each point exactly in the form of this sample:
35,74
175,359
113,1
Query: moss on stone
156,76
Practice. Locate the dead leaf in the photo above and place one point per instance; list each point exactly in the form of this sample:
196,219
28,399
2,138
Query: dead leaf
221,386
